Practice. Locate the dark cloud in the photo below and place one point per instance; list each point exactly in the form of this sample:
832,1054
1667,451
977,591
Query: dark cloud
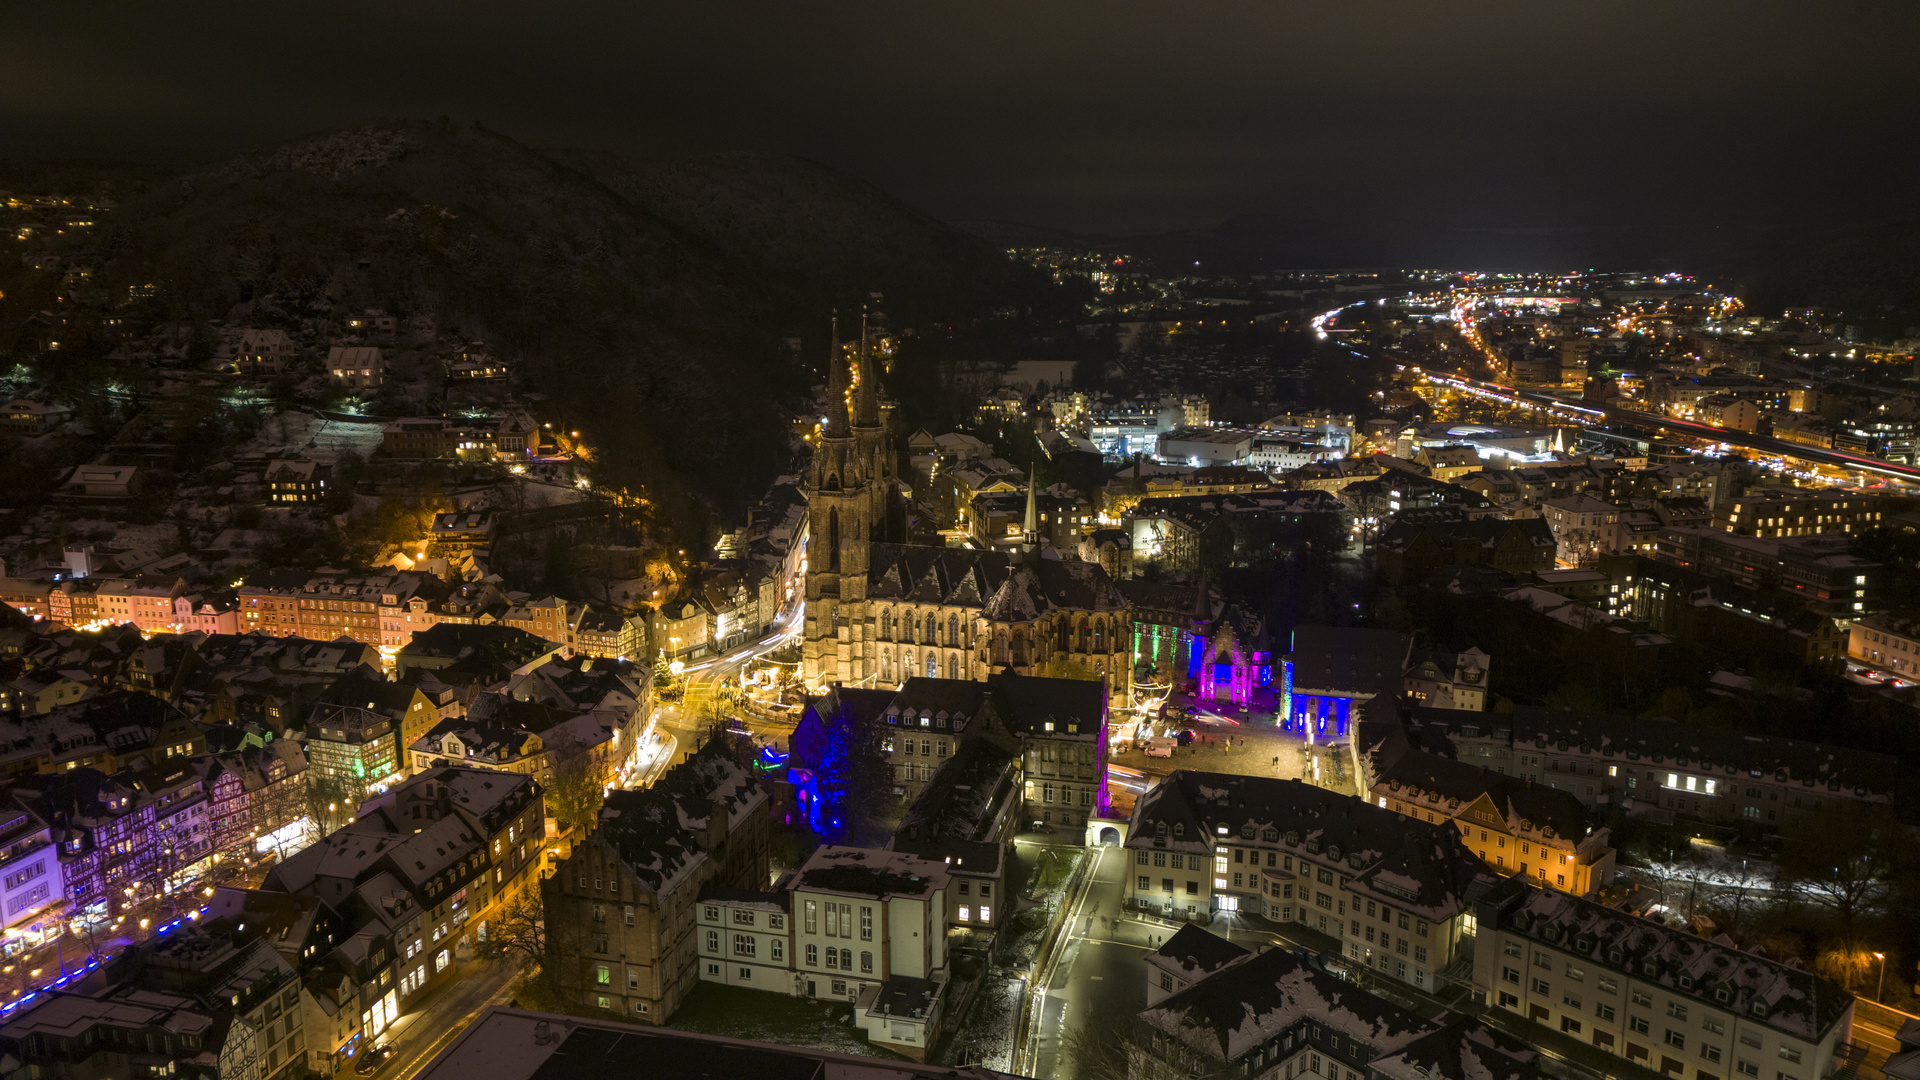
1118,117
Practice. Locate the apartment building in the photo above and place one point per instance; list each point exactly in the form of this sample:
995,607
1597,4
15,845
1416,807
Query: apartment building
1888,642
1190,955
1821,571
1583,527
372,608
1772,512
418,876
363,723
623,908
1511,825
264,352
1664,999
29,867
1056,727
746,937
870,927
1761,782
962,821
926,723
1392,890
1276,1016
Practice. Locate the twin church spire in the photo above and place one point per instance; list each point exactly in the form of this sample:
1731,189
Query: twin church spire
853,374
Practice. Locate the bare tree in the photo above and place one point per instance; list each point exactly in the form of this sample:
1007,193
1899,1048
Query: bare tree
1840,858
518,933
1106,1047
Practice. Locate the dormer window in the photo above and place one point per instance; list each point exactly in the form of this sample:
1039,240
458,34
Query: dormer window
1179,828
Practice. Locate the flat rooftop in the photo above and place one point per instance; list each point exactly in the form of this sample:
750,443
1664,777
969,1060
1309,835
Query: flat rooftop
517,1044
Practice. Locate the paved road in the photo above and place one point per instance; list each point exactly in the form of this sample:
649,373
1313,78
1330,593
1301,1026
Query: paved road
422,1034
1100,973
687,719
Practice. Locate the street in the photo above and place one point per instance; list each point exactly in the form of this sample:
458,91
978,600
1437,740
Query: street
685,722
1100,974
418,1036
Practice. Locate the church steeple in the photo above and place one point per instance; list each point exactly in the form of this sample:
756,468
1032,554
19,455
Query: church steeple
1030,530
866,393
836,386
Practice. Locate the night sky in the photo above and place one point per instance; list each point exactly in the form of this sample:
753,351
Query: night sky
1100,117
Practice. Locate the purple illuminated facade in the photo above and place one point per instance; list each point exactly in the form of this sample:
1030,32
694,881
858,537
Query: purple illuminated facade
1233,662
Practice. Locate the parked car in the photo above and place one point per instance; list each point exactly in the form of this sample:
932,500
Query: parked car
1186,737
1160,748
371,1059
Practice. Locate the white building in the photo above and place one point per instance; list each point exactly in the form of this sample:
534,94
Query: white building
1393,890
29,868
1583,527
1667,1000
1277,455
854,924
1202,447
745,938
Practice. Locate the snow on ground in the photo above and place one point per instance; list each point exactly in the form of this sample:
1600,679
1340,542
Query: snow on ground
985,1037
298,433
766,1016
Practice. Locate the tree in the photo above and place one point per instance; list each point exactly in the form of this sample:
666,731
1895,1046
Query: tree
518,933
576,787
1841,858
855,778
332,801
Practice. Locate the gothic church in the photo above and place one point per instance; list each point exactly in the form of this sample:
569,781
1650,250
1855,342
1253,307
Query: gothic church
879,611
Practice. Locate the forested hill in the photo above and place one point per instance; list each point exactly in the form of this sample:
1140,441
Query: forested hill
649,303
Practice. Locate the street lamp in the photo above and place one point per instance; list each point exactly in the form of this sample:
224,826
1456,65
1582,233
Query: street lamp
1882,983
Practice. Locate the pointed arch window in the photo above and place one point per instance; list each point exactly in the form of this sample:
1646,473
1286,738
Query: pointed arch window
933,667
932,625
953,665
953,630
833,541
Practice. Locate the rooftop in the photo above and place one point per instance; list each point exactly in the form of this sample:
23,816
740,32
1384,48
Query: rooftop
516,1044
867,872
